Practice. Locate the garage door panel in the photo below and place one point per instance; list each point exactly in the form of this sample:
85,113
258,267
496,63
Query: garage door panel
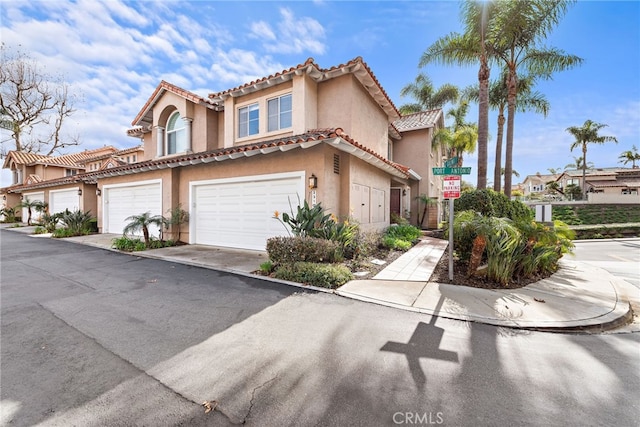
35,215
59,201
240,214
123,202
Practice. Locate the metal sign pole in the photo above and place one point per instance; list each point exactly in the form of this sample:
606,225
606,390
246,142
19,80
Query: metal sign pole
451,240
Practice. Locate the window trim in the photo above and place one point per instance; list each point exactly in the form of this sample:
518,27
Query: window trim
167,132
278,115
248,107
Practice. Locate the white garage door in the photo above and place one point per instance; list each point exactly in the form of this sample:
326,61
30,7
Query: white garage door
122,202
59,200
35,216
239,213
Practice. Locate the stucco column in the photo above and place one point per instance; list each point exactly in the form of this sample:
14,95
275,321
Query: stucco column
159,141
187,133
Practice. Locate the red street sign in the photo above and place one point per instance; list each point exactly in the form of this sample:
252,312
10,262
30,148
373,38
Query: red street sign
451,188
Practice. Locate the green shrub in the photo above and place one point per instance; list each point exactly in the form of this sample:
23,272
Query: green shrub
128,244
403,232
491,203
283,250
395,243
78,223
342,232
314,274
304,220
266,268
40,230
62,232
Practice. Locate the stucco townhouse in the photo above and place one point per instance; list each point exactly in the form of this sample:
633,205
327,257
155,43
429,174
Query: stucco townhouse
231,160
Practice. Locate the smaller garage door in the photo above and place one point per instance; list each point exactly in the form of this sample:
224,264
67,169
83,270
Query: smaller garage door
124,201
60,200
35,216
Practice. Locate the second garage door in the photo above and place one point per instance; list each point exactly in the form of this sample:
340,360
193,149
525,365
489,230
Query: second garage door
238,213
60,200
121,202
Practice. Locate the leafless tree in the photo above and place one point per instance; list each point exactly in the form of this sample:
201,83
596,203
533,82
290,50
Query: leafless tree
34,105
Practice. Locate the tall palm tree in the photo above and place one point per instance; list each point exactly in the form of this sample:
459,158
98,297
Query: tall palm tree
465,49
630,156
587,134
426,96
498,94
515,34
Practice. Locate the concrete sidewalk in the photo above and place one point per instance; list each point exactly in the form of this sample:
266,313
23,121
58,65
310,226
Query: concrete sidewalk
577,297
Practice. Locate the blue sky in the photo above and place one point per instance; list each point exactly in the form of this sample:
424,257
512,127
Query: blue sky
114,54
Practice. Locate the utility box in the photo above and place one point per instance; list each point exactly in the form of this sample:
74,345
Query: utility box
543,213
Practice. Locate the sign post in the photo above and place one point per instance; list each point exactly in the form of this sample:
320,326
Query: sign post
451,191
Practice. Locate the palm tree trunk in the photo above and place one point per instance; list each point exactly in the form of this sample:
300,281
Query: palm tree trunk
145,234
483,121
479,244
584,171
497,170
511,112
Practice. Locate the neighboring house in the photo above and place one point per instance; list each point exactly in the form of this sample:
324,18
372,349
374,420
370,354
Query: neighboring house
60,181
536,184
606,185
235,158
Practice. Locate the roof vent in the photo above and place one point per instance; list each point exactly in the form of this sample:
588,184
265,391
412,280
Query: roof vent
336,164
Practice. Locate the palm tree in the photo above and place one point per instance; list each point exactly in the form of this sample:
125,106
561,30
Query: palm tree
498,94
427,202
587,134
466,49
577,164
630,156
426,96
459,138
142,223
515,32
32,205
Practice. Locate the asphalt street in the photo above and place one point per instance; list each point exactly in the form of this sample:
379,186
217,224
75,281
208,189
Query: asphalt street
620,257
93,337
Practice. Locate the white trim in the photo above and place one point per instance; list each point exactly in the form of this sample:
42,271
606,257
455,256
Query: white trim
245,178
66,189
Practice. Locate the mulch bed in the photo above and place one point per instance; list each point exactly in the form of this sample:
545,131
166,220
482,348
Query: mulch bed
441,275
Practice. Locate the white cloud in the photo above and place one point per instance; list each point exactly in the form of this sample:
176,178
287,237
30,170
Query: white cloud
292,35
241,66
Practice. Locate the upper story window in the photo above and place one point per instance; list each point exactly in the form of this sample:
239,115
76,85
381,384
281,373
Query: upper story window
176,134
70,172
248,120
279,111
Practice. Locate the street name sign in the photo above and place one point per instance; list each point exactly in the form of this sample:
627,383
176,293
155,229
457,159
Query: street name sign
452,162
451,187
452,171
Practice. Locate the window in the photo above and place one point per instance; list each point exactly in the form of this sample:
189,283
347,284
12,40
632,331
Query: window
176,135
279,112
248,120
70,172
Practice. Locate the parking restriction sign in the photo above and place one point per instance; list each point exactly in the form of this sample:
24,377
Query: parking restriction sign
451,188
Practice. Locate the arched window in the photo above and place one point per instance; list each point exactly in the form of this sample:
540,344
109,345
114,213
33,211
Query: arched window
176,134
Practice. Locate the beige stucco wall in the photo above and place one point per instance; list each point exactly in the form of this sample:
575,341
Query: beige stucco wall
344,103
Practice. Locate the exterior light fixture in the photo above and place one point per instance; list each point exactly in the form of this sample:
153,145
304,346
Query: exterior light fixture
80,192
98,192
4,197
313,181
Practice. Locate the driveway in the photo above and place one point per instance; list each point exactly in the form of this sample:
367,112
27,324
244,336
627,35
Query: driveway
93,337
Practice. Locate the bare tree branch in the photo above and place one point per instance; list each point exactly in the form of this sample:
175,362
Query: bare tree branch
33,105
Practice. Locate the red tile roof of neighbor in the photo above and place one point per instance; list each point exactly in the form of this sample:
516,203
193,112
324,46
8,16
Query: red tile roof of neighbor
306,140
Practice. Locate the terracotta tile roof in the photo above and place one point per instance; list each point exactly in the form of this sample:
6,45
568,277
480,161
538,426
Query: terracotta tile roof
123,152
421,120
22,158
49,183
312,137
165,86
357,66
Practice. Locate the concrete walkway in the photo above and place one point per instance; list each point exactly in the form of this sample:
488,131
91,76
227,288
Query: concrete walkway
577,297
